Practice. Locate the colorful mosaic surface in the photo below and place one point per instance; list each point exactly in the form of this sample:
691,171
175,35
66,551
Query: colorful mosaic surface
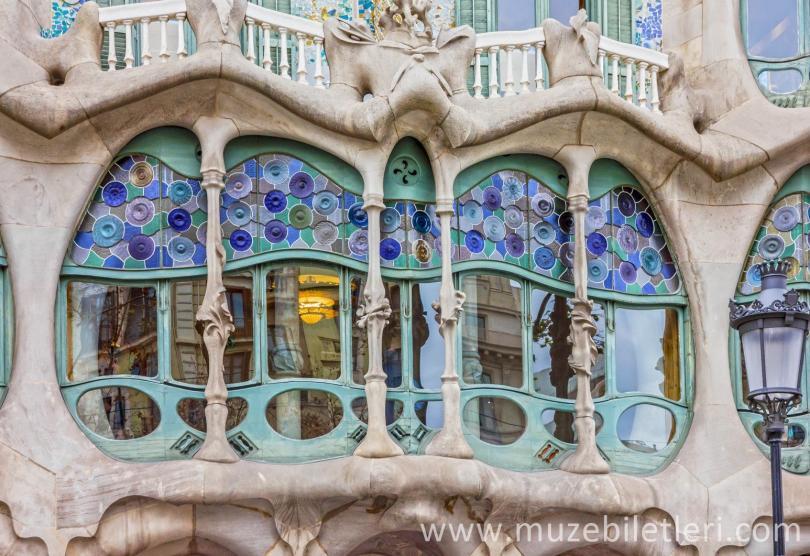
142,216
320,10
783,235
627,251
648,27
63,14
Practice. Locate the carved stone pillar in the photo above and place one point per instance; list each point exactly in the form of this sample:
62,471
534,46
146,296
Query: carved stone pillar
373,316
450,441
215,320
586,459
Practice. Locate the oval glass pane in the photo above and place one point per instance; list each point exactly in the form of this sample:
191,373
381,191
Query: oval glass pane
560,424
781,82
646,428
497,421
795,434
192,411
430,413
118,412
773,28
393,410
304,414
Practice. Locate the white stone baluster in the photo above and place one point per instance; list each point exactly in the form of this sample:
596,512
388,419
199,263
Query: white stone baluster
493,72
539,82
509,82
628,79
146,51
602,67
181,35
642,84
450,441
217,326
129,57
477,87
251,47
524,68
319,63
586,459
164,42
614,74
301,68
373,316
654,101
112,59
267,59
284,64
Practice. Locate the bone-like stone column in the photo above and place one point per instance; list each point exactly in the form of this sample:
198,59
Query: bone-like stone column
373,316
216,322
586,459
213,317
450,441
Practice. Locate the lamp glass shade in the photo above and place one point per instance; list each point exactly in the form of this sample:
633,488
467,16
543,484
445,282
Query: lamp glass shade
783,347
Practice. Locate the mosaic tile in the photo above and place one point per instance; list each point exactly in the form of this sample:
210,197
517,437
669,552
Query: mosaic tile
63,14
648,24
781,236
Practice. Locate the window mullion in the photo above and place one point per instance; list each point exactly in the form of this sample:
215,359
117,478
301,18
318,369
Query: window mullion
610,351
260,324
164,330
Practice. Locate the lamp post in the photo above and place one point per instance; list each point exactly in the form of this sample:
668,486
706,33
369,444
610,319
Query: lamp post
773,330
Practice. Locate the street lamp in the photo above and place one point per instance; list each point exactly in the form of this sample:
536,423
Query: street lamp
773,329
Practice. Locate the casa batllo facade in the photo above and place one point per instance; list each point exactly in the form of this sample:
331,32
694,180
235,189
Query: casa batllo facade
304,277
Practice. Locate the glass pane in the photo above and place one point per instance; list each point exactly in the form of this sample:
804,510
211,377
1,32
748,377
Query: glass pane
393,410
560,424
773,28
648,352
430,412
551,326
392,336
118,413
794,434
514,15
562,10
496,421
492,332
428,345
192,411
303,324
646,427
781,82
304,414
112,330
189,356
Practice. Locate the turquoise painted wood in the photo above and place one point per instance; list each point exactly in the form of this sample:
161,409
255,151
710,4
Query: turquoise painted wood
255,439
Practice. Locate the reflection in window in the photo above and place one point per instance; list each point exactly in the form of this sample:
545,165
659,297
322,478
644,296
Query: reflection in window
563,10
430,413
112,330
303,328
515,15
781,82
773,28
428,346
393,410
189,355
550,329
560,424
496,421
648,360
118,413
492,339
304,414
391,340
646,428
192,411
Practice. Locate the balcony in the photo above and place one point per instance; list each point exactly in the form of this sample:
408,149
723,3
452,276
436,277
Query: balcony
293,48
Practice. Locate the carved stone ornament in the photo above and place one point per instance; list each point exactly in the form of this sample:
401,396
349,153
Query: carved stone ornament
224,12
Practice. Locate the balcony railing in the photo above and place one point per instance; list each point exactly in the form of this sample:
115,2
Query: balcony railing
292,47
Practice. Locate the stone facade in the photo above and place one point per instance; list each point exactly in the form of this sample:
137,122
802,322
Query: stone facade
709,166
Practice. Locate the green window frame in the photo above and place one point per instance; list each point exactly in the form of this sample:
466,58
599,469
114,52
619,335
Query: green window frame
6,326
791,95
794,193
